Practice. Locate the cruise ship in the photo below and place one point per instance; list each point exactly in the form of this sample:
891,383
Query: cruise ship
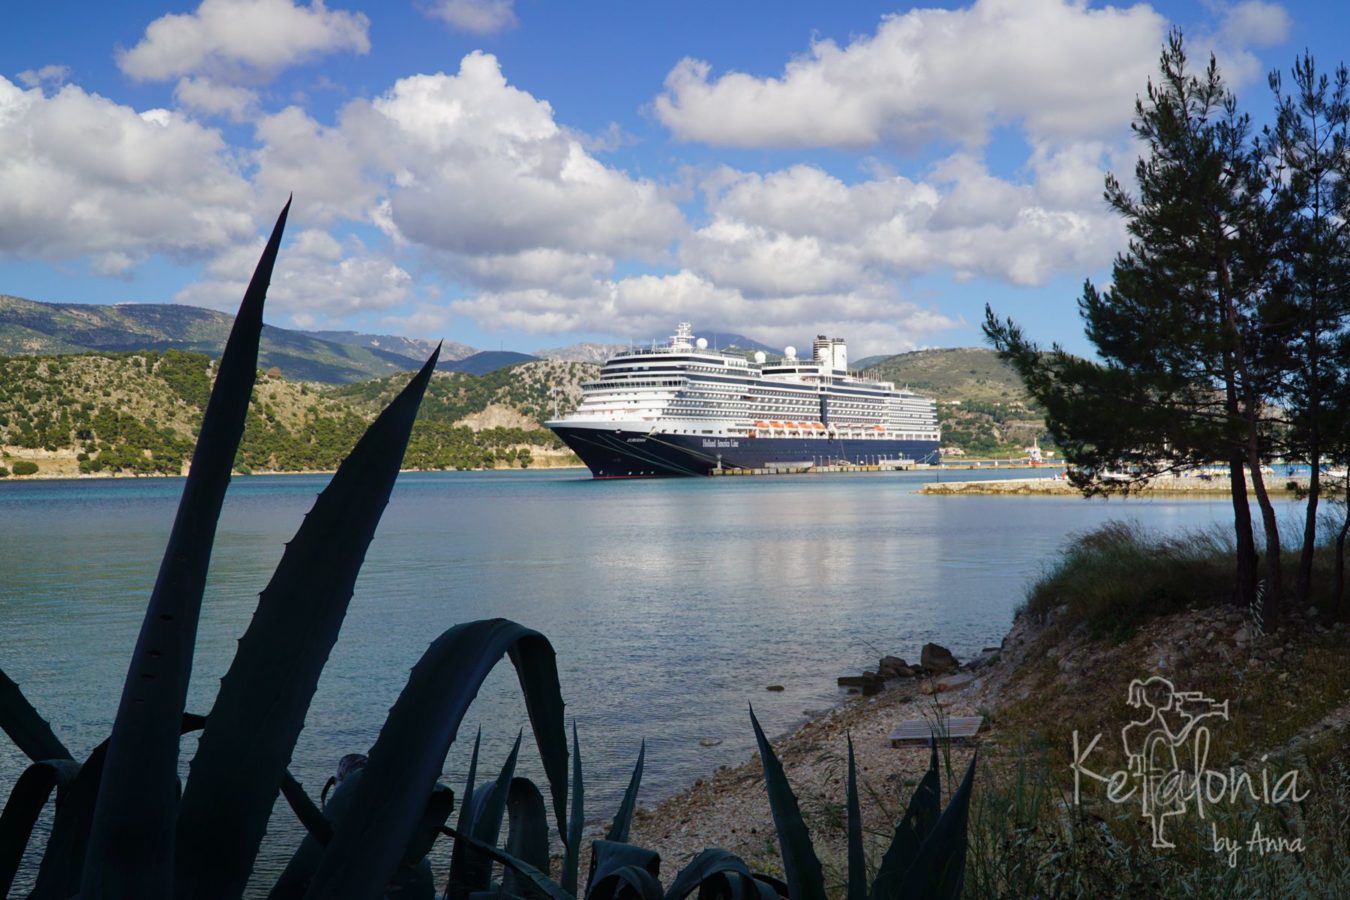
683,409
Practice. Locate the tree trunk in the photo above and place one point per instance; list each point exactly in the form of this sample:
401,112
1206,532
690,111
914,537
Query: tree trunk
1244,540
1303,583
1337,611
1272,609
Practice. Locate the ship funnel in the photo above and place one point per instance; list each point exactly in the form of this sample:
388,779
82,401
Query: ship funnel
839,351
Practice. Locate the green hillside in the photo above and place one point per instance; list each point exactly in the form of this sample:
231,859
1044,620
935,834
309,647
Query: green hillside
28,327
982,405
139,413
953,373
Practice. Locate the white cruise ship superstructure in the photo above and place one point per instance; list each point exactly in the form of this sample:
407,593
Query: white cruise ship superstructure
684,409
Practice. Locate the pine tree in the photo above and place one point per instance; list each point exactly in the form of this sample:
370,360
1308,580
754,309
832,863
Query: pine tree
1188,366
1307,150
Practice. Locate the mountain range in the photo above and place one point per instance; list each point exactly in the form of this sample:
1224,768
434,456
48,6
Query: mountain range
982,404
29,327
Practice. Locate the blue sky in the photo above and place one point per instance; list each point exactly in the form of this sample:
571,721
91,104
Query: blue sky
519,174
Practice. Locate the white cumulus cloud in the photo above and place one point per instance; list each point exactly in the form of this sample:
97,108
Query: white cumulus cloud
210,98
233,39
82,175
317,281
1063,68
475,16
473,170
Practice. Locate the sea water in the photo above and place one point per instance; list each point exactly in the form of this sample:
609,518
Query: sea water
673,603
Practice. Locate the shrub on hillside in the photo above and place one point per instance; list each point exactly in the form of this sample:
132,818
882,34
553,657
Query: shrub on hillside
1114,578
25,467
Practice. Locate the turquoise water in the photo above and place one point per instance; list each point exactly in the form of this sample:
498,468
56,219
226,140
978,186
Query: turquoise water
672,603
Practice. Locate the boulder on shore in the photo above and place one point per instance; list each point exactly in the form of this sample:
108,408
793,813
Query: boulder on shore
938,659
893,667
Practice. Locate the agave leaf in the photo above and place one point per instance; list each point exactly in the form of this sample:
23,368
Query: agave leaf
131,839
526,834
413,880
804,877
623,819
459,854
705,866
309,815
542,883
761,887
779,888
439,806
419,884
299,872
938,871
857,862
920,817
411,748
627,882
63,857
260,710
572,852
25,803
489,803
29,731
608,857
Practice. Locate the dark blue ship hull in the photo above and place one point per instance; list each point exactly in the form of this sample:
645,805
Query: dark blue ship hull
614,453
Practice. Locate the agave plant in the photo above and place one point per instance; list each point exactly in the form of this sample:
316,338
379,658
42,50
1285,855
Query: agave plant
925,859
120,828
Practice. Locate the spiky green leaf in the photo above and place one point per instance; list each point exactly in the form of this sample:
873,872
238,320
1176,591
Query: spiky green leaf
459,855
260,710
804,878
938,871
572,853
608,857
627,883
542,883
526,834
131,839
489,803
63,858
623,819
857,862
26,800
920,816
706,866
309,815
29,731
295,879
412,745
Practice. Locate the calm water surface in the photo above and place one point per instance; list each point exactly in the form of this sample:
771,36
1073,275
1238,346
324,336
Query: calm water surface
672,603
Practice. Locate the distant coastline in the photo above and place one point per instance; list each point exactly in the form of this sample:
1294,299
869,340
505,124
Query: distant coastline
66,475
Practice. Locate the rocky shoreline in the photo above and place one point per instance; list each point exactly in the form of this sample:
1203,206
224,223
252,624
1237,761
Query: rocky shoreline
1042,670
730,809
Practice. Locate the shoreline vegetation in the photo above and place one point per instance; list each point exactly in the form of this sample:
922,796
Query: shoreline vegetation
67,470
1118,606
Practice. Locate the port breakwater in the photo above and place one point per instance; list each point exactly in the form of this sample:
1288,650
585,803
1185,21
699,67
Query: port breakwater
1164,485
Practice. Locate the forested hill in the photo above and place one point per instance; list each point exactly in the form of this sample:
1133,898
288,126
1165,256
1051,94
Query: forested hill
952,373
982,405
29,327
139,413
